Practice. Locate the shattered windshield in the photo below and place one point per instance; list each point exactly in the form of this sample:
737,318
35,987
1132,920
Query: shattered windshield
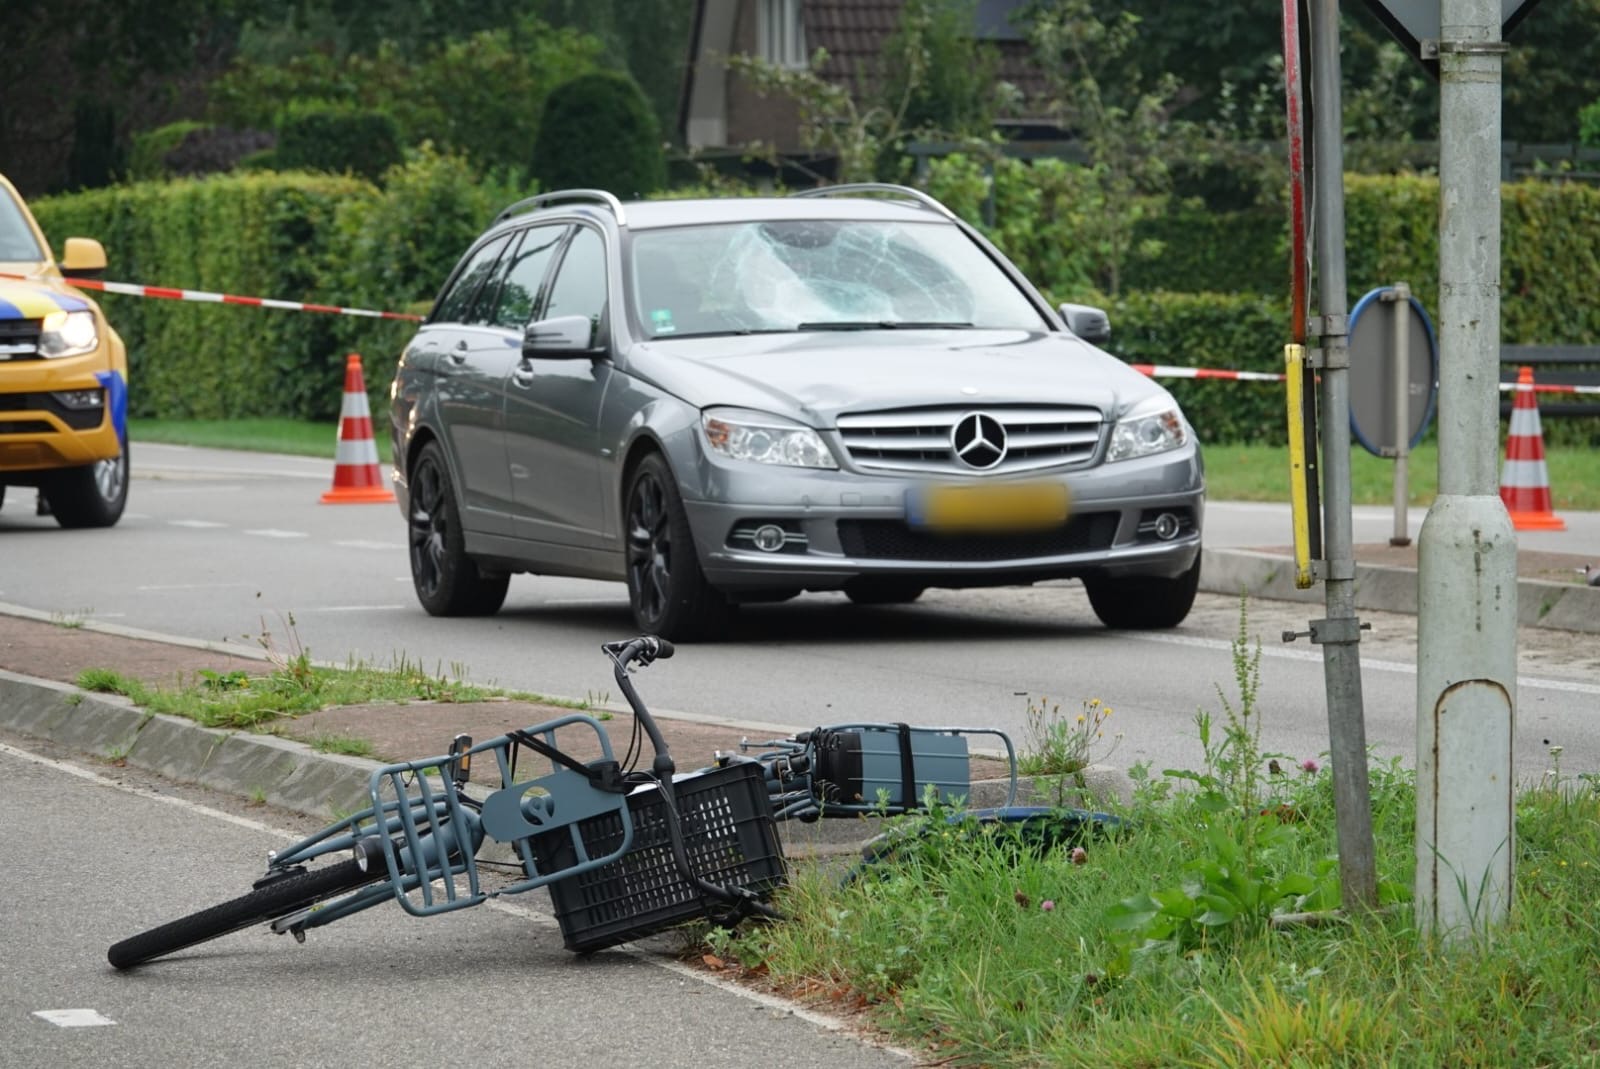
820,274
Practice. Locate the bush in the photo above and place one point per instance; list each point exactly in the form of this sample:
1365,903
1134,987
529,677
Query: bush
320,137
598,132
266,235
147,158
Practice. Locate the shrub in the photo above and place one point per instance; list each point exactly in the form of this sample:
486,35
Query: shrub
598,132
147,158
321,137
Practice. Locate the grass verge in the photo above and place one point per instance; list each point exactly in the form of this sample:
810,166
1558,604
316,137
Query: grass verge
1157,940
252,435
294,687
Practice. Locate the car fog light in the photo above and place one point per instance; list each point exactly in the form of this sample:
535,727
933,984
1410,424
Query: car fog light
769,538
80,398
1168,526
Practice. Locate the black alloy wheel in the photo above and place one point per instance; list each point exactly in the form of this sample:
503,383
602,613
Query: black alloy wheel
666,588
447,581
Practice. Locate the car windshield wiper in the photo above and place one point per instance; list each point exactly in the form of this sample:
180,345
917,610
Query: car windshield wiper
730,333
889,324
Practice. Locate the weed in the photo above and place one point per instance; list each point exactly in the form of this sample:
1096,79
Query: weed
74,699
348,745
223,681
71,621
258,796
108,681
1057,745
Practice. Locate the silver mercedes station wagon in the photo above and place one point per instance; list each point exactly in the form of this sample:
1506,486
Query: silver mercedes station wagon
737,400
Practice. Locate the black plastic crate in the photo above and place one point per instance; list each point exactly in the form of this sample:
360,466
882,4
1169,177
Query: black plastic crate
728,835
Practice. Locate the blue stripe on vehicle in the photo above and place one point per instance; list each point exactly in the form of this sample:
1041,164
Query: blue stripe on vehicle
70,304
117,398
9,310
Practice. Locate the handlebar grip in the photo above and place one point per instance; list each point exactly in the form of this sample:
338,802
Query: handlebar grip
664,649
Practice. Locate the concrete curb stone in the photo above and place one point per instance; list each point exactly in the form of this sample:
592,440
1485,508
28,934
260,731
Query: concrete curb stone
1540,603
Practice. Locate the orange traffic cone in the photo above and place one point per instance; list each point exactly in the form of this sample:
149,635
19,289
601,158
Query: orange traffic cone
356,478
1524,481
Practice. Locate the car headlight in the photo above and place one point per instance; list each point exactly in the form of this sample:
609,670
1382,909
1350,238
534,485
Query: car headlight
740,434
1143,432
68,334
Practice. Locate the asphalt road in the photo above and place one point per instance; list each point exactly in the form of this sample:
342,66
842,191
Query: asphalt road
85,861
231,546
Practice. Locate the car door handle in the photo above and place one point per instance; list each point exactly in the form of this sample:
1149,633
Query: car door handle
522,375
459,353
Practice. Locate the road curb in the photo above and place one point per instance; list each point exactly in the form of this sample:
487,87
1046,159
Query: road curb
288,774
1540,603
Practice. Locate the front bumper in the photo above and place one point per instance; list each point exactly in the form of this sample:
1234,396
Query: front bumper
842,526
38,432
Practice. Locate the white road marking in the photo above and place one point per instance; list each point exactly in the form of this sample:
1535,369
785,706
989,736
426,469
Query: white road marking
274,532
281,473
195,523
189,586
361,544
73,1018
1534,682
166,799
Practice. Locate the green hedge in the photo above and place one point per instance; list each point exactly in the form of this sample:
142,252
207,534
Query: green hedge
343,241
299,237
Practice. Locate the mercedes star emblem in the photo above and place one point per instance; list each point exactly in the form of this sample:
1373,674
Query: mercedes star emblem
979,440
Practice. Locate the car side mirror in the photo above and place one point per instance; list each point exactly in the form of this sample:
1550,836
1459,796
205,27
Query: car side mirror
1087,322
561,338
83,258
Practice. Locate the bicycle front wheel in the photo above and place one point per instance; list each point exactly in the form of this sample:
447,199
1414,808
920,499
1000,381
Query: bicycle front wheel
276,899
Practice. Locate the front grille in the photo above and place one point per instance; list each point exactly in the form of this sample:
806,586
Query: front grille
19,339
919,440
895,540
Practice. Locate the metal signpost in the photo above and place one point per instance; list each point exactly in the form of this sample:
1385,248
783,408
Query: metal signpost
1394,381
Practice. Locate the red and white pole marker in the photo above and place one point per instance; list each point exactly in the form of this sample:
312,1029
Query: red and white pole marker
1525,481
167,293
357,479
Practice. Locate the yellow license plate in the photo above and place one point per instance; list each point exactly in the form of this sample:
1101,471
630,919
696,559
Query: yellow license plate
1008,506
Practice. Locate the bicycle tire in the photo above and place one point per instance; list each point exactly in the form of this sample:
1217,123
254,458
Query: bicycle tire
276,899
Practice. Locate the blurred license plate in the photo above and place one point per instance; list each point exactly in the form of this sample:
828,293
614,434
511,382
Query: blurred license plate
988,506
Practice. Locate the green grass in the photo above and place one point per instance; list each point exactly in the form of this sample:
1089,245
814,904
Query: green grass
253,435
290,687
1261,473
1233,472
346,745
1154,942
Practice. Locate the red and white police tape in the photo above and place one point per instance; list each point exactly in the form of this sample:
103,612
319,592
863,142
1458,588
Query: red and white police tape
1155,371
168,293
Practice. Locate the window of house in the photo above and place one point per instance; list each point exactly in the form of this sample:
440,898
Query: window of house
781,37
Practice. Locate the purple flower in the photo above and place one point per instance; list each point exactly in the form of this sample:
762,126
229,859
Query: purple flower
1309,765
1047,905
1080,856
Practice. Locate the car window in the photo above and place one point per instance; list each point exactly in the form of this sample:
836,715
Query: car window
454,305
580,285
523,274
16,239
813,273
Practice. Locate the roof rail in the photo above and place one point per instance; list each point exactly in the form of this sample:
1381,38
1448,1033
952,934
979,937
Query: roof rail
589,196
904,192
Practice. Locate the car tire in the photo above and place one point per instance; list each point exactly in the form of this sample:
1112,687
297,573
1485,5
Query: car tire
882,592
666,588
92,495
447,581
1143,603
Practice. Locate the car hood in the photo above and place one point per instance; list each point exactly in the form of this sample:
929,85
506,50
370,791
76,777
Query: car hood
815,377
37,297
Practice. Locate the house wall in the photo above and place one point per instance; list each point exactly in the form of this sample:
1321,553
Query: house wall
773,120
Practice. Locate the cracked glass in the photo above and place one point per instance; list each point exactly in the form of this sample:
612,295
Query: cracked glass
820,274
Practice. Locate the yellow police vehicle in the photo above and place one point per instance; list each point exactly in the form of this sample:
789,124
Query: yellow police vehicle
63,376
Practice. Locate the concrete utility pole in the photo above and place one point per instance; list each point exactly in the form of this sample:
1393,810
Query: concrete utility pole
1339,634
1467,551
